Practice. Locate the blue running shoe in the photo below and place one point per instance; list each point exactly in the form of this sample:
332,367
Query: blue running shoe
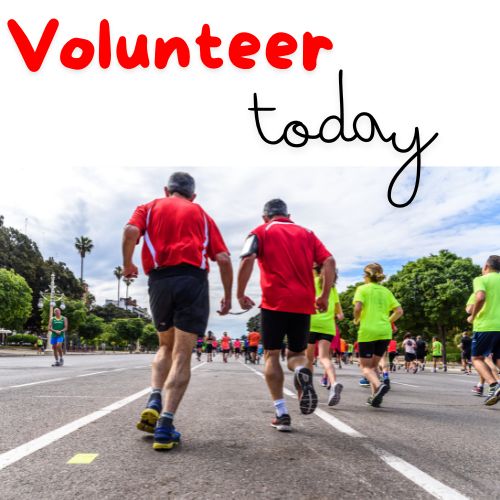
151,414
363,382
166,437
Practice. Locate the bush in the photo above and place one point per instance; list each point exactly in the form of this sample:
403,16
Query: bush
22,339
454,357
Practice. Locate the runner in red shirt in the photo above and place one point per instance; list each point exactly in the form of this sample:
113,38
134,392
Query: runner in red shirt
225,343
237,348
286,254
179,239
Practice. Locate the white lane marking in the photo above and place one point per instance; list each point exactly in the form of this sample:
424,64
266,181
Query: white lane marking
64,378
12,456
401,383
90,374
36,383
428,483
420,478
338,424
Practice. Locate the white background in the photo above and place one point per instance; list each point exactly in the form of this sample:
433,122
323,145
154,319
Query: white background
428,64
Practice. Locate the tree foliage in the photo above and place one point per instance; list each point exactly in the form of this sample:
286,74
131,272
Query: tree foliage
253,324
129,329
15,300
91,327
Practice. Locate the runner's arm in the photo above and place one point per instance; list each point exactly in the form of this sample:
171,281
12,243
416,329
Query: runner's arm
328,277
396,314
244,273
131,235
339,312
226,275
478,305
358,307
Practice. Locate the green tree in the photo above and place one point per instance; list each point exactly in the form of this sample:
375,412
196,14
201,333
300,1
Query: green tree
253,324
129,329
118,272
91,327
84,246
433,292
15,300
110,312
66,281
149,337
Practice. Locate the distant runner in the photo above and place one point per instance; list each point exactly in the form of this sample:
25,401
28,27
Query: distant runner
466,353
237,348
179,239
208,346
253,345
375,308
421,352
286,254
58,326
437,353
225,343
410,348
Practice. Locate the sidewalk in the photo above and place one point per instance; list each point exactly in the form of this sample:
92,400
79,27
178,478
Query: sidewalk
32,352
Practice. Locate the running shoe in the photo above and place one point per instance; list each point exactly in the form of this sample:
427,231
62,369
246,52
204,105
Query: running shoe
493,395
308,399
387,383
283,423
166,437
363,382
334,395
379,395
150,415
61,362
56,363
324,382
477,390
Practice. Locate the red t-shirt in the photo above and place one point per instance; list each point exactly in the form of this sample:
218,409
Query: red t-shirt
253,339
393,346
287,253
224,342
176,231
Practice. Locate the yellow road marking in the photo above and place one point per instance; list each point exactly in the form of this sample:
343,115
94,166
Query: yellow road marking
83,458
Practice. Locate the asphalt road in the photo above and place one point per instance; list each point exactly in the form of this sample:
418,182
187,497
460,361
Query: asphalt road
431,439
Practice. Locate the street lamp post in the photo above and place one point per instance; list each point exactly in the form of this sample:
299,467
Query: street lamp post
53,295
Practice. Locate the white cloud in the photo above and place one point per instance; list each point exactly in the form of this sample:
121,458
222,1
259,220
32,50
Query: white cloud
347,208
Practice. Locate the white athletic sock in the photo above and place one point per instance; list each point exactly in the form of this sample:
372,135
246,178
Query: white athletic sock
155,390
297,370
280,407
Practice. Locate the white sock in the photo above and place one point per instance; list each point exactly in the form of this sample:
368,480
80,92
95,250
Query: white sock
280,407
297,370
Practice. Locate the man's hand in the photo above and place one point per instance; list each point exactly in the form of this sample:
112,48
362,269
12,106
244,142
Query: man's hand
225,306
356,321
322,304
130,271
470,319
246,303
340,316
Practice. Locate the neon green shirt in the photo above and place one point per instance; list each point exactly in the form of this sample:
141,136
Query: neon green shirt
472,300
378,302
488,319
325,322
437,348
350,348
58,324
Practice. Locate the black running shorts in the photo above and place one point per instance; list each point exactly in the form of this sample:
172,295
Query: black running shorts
314,336
178,297
370,349
277,324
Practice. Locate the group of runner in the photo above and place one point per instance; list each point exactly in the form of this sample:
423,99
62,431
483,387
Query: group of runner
299,301
248,346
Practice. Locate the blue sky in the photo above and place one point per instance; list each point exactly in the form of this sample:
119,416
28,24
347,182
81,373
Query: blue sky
456,208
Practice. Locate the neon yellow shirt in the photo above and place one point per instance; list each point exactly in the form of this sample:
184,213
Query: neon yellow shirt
378,302
437,348
472,300
488,319
325,322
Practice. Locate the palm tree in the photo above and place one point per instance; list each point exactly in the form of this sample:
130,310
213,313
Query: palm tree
128,282
84,246
118,272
